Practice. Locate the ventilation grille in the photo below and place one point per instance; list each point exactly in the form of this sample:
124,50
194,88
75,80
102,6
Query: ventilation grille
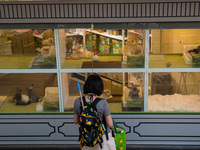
107,10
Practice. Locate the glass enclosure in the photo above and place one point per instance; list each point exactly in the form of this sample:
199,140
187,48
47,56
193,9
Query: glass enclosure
87,48
175,48
29,92
27,49
123,91
174,92
154,70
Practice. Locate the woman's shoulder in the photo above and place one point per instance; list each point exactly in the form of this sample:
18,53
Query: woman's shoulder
101,100
77,100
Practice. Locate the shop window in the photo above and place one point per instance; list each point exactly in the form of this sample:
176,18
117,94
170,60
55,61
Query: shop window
29,92
174,92
175,48
87,48
130,84
27,49
123,91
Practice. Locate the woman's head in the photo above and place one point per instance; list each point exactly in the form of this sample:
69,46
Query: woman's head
93,84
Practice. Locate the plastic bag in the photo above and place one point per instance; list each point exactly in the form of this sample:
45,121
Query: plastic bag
120,137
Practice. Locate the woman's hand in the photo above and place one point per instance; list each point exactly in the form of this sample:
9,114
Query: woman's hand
76,121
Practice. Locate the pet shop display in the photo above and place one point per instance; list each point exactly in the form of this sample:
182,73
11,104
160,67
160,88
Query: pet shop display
134,91
134,96
23,99
134,49
20,98
47,58
33,96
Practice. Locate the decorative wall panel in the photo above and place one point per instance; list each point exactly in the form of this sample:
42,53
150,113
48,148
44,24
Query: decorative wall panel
174,129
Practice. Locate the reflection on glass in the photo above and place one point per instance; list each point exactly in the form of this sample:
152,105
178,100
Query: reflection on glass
175,48
27,48
123,91
174,92
25,92
87,48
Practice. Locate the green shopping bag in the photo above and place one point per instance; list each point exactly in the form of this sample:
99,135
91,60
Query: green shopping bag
120,137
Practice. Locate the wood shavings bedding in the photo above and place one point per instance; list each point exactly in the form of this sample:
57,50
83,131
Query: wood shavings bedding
174,103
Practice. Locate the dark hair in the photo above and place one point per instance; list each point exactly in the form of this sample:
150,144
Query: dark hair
93,84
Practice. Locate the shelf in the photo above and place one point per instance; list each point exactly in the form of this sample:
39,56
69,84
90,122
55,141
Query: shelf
119,37
74,34
132,31
38,35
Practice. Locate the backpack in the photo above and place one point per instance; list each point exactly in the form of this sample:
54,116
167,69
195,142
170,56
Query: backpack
91,128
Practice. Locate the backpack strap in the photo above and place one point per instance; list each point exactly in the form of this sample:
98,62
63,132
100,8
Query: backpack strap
105,124
84,101
94,103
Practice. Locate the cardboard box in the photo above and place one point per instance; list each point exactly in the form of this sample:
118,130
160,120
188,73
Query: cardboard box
23,42
29,48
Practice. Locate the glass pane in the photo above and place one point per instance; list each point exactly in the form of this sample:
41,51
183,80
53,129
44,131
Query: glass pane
87,48
174,92
174,48
25,92
134,91
27,49
123,91
134,51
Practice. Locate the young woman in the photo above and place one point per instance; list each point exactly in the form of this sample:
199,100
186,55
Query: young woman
94,87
